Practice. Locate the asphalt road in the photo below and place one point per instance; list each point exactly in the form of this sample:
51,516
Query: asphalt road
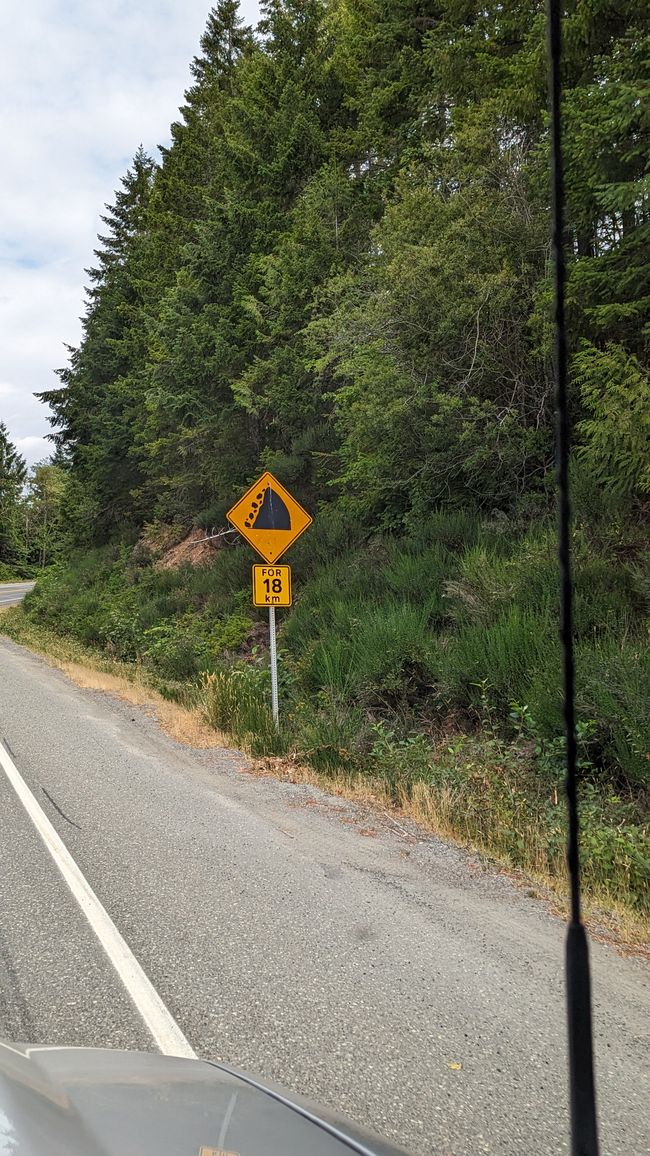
11,593
294,936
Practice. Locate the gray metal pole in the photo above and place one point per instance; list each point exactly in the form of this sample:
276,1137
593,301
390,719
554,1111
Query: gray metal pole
274,669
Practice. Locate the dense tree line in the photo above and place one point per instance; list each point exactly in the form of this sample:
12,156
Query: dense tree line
30,510
339,269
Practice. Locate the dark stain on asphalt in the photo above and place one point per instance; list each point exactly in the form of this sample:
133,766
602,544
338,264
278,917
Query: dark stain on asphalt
61,813
8,749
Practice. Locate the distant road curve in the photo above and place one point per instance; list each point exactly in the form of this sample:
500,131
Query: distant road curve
11,593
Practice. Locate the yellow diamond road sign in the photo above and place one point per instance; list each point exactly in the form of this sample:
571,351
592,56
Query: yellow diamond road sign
269,518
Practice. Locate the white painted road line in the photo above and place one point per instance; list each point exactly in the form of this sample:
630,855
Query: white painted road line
158,1019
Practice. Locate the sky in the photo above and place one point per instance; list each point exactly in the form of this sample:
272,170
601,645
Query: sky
82,84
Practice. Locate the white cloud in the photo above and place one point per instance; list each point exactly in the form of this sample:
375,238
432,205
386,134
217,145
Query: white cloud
82,84
33,449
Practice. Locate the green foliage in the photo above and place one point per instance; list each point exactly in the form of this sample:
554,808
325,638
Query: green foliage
332,736
175,649
616,431
9,573
500,658
400,759
178,623
13,473
339,270
494,794
614,690
237,700
43,512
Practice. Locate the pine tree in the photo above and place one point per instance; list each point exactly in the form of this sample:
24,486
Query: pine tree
13,473
186,402
99,404
340,268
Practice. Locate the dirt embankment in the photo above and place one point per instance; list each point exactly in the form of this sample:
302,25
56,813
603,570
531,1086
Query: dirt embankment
196,548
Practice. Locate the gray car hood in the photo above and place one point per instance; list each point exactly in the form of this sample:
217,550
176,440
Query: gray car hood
92,1102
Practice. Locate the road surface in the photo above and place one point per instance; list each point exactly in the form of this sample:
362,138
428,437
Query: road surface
292,935
11,593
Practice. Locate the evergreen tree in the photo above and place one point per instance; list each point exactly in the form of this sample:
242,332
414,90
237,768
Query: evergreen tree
340,268
187,404
13,472
98,406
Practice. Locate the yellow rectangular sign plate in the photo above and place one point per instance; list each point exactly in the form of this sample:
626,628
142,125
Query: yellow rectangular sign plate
269,518
271,586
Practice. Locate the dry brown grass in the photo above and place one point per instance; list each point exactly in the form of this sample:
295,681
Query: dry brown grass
123,680
435,812
181,723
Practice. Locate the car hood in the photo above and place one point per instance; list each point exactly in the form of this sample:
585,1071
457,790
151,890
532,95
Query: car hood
95,1102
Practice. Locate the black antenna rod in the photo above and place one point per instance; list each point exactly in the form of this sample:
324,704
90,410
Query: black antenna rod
584,1130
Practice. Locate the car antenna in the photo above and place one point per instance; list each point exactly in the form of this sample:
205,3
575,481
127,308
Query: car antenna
584,1129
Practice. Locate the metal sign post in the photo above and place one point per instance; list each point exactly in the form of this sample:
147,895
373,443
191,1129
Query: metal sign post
274,669
270,519
272,587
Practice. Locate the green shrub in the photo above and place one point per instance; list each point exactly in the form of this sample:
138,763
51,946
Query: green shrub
483,586
491,579
337,536
15,573
323,606
612,696
236,700
456,530
174,650
417,574
614,850
331,736
604,596
397,658
375,654
501,659
331,665
399,759
229,633
614,690
615,392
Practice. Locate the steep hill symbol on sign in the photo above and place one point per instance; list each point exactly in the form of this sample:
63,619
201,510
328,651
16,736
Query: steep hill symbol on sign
272,514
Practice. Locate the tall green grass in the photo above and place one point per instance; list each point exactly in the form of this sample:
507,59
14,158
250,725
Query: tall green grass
236,700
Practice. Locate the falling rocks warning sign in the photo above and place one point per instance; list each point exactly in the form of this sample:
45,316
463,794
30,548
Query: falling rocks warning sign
269,518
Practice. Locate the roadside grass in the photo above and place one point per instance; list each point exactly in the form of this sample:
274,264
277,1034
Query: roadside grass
608,916
236,702
93,670
500,795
